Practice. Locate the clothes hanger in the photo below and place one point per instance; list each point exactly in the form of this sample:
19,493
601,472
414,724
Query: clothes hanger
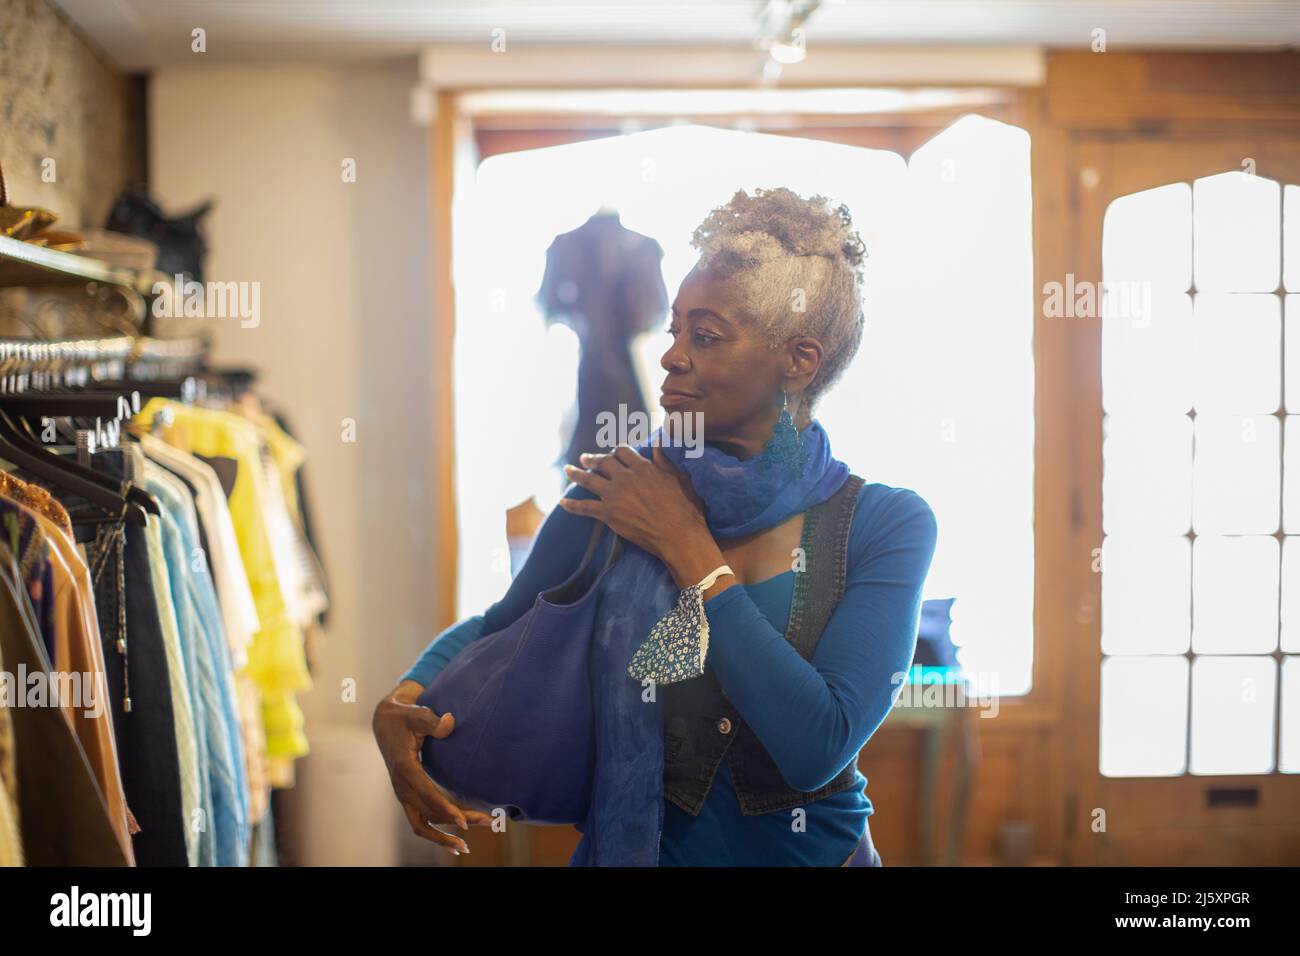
100,407
55,366
26,452
69,475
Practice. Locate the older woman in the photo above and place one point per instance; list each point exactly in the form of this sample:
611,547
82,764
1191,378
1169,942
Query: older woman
804,579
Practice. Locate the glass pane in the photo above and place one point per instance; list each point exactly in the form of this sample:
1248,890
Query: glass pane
1291,595
1238,353
1291,374
1143,716
1232,714
1234,593
1237,474
1237,221
964,211
1147,477
1146,595
1147,361
1147,237
1291,476
1289,761
1291,239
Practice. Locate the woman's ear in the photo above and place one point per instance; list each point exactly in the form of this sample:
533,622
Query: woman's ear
805,361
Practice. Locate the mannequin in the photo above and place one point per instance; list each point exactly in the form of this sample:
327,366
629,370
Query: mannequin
604,281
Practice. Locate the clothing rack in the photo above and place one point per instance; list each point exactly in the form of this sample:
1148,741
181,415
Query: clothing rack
52,364
41,364
102,381
220,571
130,513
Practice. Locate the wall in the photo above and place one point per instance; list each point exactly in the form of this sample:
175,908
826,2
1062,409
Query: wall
60,101
345,335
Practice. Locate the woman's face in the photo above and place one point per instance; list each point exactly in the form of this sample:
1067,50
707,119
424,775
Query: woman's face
720,366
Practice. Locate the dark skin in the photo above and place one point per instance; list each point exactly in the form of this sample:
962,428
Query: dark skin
720,356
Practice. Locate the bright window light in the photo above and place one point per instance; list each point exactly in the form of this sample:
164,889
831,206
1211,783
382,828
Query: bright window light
939,399
1200,462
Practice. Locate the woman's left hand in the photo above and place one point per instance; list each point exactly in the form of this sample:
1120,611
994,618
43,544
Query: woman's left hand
652,504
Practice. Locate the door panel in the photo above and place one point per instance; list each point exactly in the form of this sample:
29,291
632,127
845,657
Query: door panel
1208,819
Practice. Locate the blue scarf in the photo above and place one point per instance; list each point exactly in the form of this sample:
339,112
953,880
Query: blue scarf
626,815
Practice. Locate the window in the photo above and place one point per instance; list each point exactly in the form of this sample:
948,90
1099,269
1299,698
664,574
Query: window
940,398
1201,482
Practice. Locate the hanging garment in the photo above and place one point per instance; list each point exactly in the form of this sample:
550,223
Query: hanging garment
276,658
36,498
304,513
287,457
11,841
176,638
238,610
31,551
62,815
223,839
238,621
79,652
183,715
135,662
179,622
604,281
78,649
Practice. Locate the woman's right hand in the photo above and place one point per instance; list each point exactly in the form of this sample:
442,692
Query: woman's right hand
400,726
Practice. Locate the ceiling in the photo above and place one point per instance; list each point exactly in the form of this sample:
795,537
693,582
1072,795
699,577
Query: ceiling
142,34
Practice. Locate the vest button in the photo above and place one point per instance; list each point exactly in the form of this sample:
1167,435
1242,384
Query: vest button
724,726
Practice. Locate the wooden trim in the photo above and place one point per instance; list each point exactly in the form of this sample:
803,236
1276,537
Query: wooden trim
443,149
1157,91
622,65
494,142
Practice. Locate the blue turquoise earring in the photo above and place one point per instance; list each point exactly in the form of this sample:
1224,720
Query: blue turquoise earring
786,444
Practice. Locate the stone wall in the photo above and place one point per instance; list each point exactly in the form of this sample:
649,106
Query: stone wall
61,100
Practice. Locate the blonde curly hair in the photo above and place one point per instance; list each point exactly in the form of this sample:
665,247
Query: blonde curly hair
785,252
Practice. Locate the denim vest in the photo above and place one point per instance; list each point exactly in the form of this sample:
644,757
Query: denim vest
701,726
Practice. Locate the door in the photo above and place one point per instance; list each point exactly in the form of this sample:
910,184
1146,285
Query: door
1183,684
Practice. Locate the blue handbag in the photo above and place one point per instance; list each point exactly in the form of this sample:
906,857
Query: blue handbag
524,739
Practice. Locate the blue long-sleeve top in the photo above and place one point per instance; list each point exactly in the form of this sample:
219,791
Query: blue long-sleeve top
812,716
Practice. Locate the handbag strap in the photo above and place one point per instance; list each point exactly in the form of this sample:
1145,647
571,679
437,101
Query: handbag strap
615,550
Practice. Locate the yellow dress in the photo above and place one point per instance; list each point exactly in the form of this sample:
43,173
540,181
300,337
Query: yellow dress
276,658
